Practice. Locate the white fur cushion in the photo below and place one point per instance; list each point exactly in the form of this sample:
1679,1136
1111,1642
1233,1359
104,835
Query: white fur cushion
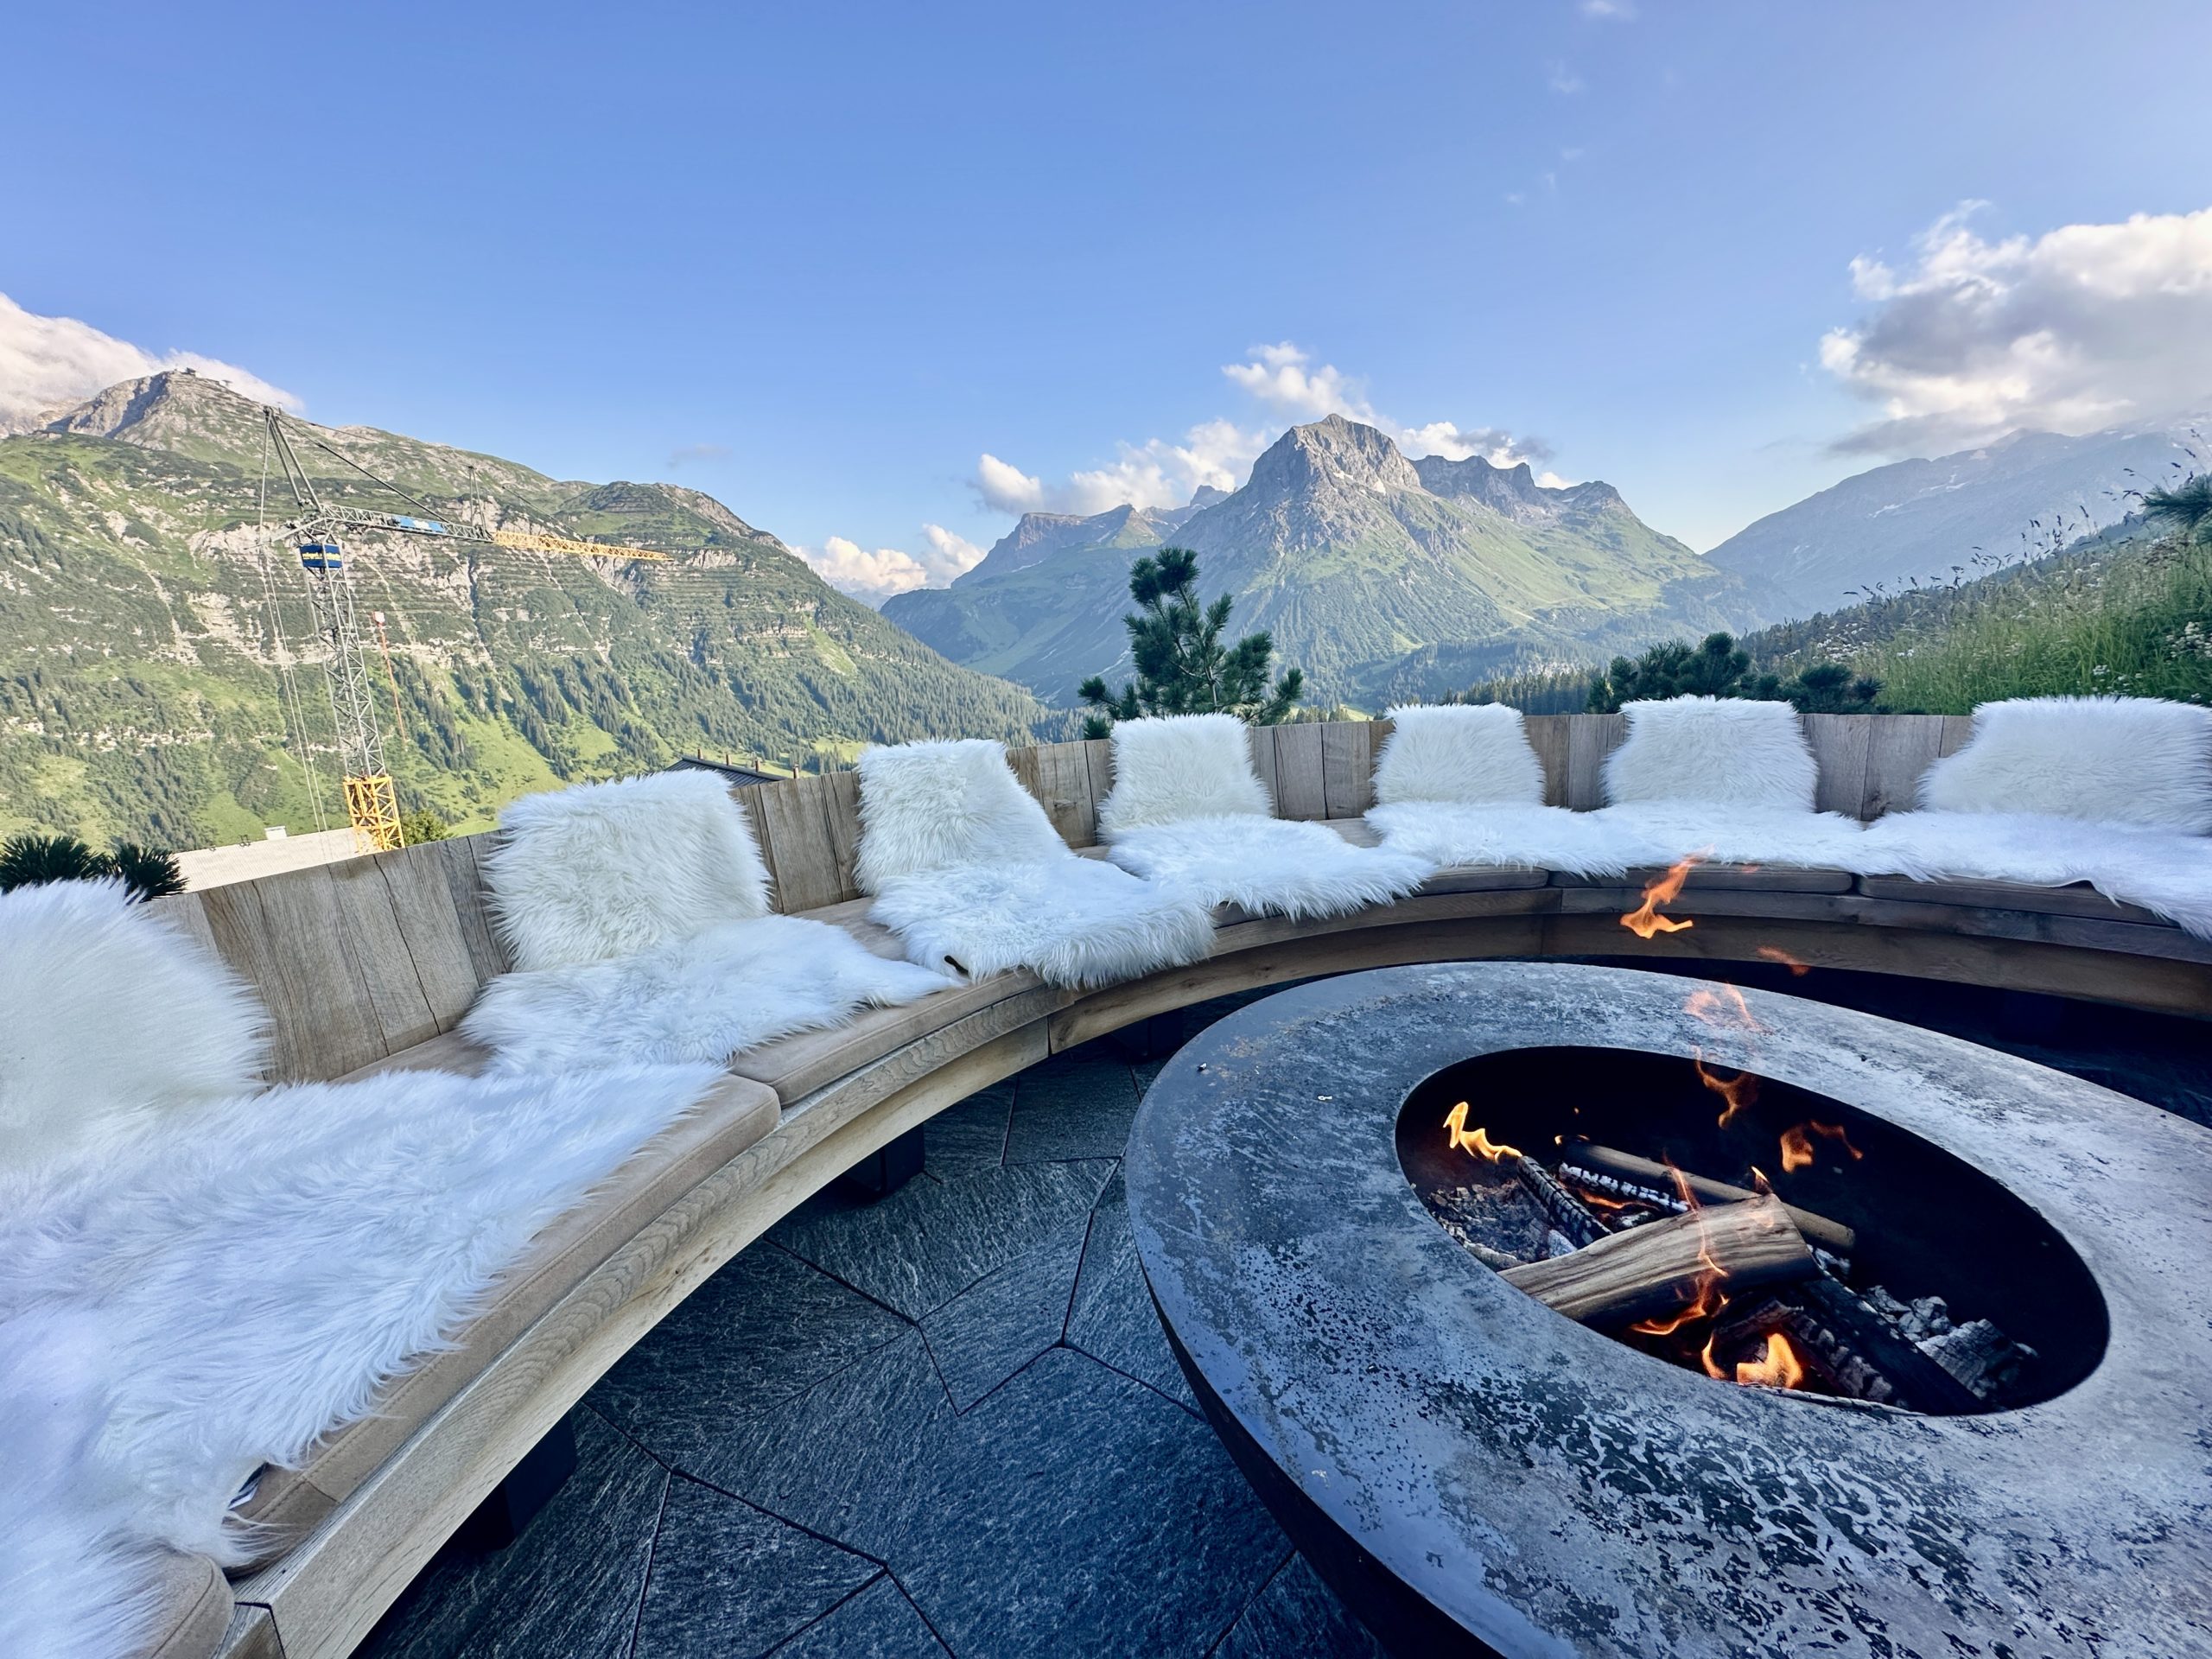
933,807
609,869
1716,751
1180,766
1472,753
1270,866
2111,759
114,1016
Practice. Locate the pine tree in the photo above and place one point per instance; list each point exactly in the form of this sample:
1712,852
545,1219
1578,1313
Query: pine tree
1183,667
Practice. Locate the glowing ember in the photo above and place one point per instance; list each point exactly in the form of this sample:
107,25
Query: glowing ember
1457,1135
1646,921
1778,1368
1797,1144
1774,953
1736,1092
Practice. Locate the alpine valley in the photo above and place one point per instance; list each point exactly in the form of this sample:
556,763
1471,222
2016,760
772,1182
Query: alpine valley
146,619
1381,577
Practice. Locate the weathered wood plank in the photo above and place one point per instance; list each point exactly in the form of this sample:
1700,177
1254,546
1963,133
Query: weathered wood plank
1839,744
462,861
1898,749
373,935
1347,768
1063,784
1957,729
1548,737
185,911
1590,739
1262,740
1299,792
1100,753
430,926
840,801
283,933
792,823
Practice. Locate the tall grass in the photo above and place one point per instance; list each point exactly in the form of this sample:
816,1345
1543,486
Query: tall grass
2137,627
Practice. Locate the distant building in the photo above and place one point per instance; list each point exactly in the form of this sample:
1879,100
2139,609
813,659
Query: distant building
736,773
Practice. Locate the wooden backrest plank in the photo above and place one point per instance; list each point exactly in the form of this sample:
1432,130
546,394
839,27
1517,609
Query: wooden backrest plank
1300,791
283,933
1262,742
373,935
841,801
430,925
748,798
185,911
792,821
461,861
1590,739
1957,729
1839,744
1347,768
1062,782
1898,749
1547,735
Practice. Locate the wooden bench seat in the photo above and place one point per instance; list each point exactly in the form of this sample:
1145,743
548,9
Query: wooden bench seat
410,946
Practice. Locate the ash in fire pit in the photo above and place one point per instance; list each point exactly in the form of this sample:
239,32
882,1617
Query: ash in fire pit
1631,1192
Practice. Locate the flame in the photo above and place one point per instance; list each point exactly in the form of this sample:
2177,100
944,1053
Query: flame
1779,1367
1709,1302
1459,1136
1646,921
1736,1092
1722,1009
1773,953
1797,1144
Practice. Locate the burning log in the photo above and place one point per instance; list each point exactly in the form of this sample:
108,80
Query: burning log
1656,1269
1623,1173
1844,1334
1574,1219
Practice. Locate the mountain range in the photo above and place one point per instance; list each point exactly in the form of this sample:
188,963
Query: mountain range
1930,518
1377,575
146,615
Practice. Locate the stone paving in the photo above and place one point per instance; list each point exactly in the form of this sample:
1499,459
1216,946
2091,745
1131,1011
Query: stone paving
947,1421
944,1421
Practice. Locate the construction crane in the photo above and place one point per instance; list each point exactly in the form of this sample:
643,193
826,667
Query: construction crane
372,804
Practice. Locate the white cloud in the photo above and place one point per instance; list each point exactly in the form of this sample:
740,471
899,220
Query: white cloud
1564,81
873,577
1286,381
1619,11
51,363
2077,329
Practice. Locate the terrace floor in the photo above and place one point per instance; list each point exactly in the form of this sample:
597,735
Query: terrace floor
947,1421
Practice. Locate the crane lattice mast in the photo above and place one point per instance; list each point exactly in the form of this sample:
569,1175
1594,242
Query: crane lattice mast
371,803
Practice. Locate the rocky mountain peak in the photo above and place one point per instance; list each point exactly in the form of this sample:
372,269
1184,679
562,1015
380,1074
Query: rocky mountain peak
1332,454
173,409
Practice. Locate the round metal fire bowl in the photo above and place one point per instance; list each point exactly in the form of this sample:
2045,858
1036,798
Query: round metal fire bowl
1475,1474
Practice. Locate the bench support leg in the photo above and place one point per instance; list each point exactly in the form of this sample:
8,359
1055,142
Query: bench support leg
883,1172
515,1502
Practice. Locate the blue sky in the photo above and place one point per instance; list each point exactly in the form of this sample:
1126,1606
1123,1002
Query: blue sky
819,261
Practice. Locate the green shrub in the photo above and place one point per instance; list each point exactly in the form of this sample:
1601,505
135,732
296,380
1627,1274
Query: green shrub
31,860
1182,666
422,825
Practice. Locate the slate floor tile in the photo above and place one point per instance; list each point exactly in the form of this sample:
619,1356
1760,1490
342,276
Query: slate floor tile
923,1245
1112,1319
1078,1104
765,1328
997,1325
845,1458
569,1584
1077,1512
968,1136
880,1623
1298,1616
729,1580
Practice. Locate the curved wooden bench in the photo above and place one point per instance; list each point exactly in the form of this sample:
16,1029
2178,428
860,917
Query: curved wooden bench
368,965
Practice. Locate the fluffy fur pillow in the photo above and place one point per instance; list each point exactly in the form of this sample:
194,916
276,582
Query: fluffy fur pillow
607,870
1470,754
115,1015
1714,751
934,806
2109,760
1181,766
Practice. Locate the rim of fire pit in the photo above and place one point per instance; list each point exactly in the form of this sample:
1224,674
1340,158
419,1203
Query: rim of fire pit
1463,1463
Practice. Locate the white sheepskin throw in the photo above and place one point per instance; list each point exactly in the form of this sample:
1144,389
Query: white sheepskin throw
610,869
705,998
2111,759
1738,835
2166,871
1721,751
1268,866
263,1267
932,806
1511,836
968,872
1180,766
114,1016
1468,753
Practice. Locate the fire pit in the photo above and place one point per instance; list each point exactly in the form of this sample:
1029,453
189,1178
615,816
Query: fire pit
1561,1310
